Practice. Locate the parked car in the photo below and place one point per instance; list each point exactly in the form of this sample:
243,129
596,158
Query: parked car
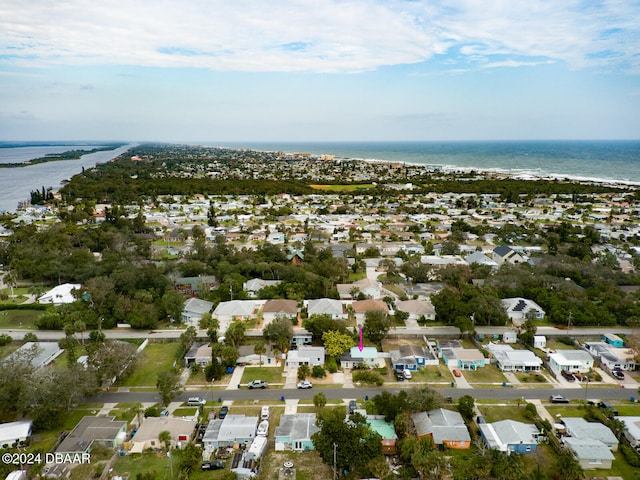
263,428
352,407
610,408
196,402
399,375
617,374
214,465
456,372
164,413
223,412
264,413
305,384
558,399
258,384
568,376
407,374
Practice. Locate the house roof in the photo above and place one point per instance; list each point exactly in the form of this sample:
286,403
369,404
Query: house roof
572,356
197,306
416,307
579,428
45,352
479,258
280,306
152,426
60,294
256,284
411,351
242,308
298,427
12,430
508,432
90,429
503,250
442,424
519,304
632,425
363,306
385,429
325,305
588,449
231,428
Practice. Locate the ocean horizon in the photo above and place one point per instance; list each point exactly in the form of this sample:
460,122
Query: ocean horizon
604,161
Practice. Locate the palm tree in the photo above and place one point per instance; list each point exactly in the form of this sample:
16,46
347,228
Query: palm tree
260,349
165,438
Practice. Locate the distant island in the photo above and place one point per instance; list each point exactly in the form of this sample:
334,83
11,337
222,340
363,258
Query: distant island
68,155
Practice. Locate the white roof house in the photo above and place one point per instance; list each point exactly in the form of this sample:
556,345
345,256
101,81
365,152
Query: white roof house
631,429
590,453
148,434
232,429
481,259
510,360
41,353
241,309
520,309
253,286
578,427
571,361
305,355
510,436
193,310
326,306
61,294
417,309
14,432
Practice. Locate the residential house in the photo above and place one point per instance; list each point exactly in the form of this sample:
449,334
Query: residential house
539,341
232,429
590,453
301,336
631,430
14,433
510,360
279,308
367,287
412,357
578,427
249,357
368,357
253,286
326,306
417,309
193,310
612,358
571,361
463,358
198,354
305,355
613,340
294,432
235,310
480,258
147,435
91,431
510,337
445,427
505,254
521,309
60,294
510,436
386,430
41,353
361,307
194,285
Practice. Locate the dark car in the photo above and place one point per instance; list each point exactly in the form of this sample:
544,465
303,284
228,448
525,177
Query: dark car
399,375
223,412
558,399
568,376
610,408
215,465
352,407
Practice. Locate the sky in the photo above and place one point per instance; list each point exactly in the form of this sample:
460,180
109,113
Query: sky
319,70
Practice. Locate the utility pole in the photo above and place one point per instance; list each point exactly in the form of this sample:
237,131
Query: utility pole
335,473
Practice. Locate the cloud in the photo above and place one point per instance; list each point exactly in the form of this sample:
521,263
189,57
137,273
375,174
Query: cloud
315,36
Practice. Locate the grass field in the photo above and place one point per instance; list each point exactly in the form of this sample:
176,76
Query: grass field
495,413
268,374
156,358
432,373
19,319
488,374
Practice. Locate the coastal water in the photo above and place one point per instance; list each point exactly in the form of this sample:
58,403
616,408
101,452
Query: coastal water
17,183
617,161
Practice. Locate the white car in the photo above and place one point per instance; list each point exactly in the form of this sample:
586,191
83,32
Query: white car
407,374
263,428
305,384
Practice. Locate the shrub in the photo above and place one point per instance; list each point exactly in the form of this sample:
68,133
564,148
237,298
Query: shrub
5,339
318,371
630,456
152,411
331,365
366,376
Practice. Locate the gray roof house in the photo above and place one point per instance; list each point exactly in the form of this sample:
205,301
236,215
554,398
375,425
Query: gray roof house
305,355
417,309
578,427
443,426
326,306
193,310
480,259
631,430
510,436
89,431
253,286
232,429
294,432
590,453
41,353
148,433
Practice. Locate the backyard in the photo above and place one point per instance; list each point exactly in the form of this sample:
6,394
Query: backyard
155,358
268,374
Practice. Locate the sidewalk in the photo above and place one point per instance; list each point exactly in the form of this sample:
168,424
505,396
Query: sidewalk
542,411
235,378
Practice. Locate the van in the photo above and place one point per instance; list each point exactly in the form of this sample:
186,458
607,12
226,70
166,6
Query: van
264,415
196,401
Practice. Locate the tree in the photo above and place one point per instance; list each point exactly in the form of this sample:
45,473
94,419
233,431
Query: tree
279,332
229,355
319,400
354,441
190,458
172,304
112,360
214,370
466,405
260,349
391,405
235,334
168,385
303,371
165,438
423,399
376,325
335,343
317,324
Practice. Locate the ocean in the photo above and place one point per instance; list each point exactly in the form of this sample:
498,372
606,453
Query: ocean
601,161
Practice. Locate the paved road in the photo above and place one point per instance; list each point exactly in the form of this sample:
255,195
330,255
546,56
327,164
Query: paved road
497,393
439,331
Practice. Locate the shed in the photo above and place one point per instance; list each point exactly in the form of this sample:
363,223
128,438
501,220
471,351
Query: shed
539,341
509,337
613,339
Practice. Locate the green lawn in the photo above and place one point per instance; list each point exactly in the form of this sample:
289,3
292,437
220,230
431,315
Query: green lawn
23,319
497,413
532,378
488,374
620,468
432,373
268,374
566,410
185,412
156,358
